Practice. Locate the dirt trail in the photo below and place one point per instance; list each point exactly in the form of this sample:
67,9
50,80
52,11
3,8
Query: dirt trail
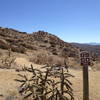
21,62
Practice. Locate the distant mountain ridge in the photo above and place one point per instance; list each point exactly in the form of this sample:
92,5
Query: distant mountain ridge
93,48
93,43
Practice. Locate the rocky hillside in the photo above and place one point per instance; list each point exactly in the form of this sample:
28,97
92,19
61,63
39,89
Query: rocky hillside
41,46
21,42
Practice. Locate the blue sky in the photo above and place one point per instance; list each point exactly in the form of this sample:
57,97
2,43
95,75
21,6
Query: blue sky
71,20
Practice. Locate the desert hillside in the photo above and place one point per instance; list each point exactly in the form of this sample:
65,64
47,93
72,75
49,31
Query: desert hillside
43,48
39,47
21,42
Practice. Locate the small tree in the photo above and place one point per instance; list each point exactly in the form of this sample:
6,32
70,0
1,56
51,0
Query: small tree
42,85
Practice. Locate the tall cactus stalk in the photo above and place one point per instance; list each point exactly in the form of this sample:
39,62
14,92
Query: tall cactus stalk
43,85
62,81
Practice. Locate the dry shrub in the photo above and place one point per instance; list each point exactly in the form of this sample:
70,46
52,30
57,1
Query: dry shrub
18,49
56,60
73,63
8,60
41,58
28,46
96,65
3,44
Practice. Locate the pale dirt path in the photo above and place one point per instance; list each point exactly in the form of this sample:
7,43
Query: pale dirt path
94,84
21,62
7,84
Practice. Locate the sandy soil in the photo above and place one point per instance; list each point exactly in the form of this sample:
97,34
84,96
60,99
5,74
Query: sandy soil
24,62
94,84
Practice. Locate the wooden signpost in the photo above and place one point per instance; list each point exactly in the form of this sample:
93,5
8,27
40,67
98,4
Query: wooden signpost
85,62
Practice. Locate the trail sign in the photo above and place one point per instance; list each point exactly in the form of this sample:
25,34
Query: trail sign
85,62
85,58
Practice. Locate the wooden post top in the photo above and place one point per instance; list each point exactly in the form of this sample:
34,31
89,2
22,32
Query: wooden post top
85,58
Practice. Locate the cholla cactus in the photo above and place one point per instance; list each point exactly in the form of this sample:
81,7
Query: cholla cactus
8,60
43,85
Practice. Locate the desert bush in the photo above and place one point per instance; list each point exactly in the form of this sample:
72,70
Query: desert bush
44,58
28,46
39,58
8,60
18,49
42,85
3,44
